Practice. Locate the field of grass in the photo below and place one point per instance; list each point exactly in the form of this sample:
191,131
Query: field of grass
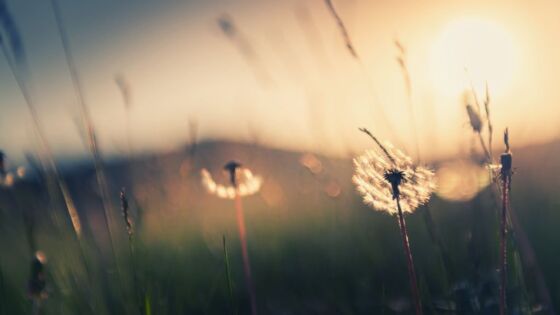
311,253
192,231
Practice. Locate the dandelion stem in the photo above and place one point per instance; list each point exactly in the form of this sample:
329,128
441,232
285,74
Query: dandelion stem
410,262
505,176
245,253
503,247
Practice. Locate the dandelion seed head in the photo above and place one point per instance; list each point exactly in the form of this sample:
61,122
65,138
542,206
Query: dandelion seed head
376,178
247,183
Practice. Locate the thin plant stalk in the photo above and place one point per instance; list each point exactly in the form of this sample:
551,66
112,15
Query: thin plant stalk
130,232
505,175
87,121
124,88
410,263
484,148
44,145
228,276
350,47
2,292
487,149
245,253
490,126
503,247
402,61
247,50
50,161
342,28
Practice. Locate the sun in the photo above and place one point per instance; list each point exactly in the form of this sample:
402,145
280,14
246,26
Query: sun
476,51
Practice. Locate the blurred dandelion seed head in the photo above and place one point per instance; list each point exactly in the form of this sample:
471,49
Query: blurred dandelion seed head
376,176
247,184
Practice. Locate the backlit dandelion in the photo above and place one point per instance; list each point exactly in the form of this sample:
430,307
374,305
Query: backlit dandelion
390,182
242,183
381,177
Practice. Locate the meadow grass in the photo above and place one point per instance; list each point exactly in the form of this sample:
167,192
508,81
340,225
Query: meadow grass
304,259
183,269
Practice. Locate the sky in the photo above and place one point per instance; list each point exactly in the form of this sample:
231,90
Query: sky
285,79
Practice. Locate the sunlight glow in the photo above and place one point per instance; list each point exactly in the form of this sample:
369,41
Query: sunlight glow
473,50
461,180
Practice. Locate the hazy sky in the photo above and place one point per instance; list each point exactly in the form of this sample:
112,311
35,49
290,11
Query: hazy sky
314,95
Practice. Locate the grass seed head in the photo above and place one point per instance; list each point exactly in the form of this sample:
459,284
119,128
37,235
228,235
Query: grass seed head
126,212
124,88
474,118
225,22
342,28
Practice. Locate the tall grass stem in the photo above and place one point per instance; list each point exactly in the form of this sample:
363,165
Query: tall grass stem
92,141
228,277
